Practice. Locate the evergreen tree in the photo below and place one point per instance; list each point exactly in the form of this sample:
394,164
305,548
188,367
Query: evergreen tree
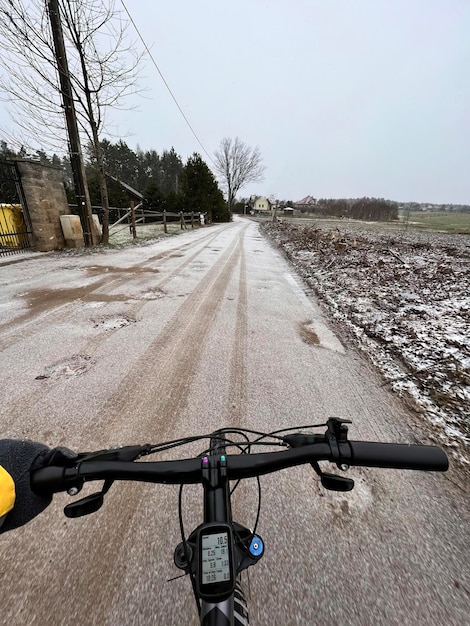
116,196
175,202
201,191
43,157
8,192
171,170
149,166
154,199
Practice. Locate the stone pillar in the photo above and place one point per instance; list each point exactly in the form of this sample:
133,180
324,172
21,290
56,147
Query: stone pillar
46,200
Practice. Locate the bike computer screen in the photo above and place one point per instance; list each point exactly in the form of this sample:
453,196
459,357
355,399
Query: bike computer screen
216,577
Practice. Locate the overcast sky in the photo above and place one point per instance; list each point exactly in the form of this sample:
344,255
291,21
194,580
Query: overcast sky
345,98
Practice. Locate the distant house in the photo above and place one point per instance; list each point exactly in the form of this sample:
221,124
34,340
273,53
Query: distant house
259,205
262,204
306,204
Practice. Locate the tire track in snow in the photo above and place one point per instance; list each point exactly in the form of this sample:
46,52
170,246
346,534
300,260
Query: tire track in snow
238,367
175,353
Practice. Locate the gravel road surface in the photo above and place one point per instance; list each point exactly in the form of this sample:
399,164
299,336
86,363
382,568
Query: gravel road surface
180,337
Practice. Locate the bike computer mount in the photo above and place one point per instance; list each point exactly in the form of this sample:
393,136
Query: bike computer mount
214,554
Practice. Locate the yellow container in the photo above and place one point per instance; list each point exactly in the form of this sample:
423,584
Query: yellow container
12,226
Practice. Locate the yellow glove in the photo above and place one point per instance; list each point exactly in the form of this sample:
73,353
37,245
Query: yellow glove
18,502
7,493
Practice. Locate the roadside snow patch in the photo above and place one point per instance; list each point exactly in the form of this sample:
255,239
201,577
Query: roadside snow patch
405,298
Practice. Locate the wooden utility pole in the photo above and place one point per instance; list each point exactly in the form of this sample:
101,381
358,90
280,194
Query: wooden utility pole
76,159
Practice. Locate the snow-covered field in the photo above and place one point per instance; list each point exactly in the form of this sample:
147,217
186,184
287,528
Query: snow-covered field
405,298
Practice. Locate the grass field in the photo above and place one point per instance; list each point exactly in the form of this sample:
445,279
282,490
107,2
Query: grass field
456,223
452,223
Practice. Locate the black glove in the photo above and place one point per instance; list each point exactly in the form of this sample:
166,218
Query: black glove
18,458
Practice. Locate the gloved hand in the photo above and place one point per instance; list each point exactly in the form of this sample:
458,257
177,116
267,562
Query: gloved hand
18,458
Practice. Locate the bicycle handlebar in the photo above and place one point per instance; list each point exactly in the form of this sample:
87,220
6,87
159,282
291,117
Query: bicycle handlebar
53,479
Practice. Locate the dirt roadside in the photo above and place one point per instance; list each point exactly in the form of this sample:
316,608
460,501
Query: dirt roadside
404,300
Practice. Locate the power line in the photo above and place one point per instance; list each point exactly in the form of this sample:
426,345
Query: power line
165,83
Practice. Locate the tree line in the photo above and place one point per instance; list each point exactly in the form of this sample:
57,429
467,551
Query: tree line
163,179
375,209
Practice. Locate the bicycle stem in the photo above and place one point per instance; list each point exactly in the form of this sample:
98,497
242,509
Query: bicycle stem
217,506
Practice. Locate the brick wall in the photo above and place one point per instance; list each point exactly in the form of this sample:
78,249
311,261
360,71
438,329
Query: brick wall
46,199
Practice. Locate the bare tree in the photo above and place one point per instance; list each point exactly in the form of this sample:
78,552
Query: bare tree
29,78
237,164
105,75
103,69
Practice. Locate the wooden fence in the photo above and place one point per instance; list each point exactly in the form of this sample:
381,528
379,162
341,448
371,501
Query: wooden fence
131,218
134,216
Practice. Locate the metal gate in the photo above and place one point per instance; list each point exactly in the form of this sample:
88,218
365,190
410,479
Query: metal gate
15,226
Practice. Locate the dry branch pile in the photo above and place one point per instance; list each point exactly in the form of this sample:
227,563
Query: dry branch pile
406,299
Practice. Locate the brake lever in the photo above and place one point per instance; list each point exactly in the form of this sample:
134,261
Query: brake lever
89,504
333,482
92,503
336,433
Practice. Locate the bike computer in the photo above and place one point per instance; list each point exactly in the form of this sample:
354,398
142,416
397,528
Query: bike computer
215,577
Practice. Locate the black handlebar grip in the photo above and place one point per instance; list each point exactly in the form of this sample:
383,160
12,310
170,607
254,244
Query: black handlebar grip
398,456
48,480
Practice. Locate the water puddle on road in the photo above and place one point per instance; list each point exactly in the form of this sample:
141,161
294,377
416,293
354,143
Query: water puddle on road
317,334
308,335
41,300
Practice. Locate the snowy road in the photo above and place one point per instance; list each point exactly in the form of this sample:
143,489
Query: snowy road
180,337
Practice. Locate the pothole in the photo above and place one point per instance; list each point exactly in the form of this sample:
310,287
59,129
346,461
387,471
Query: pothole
153,294
70,367
308,334
352,504
112,322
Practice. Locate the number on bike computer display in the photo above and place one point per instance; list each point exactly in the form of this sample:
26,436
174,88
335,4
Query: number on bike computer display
215,558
